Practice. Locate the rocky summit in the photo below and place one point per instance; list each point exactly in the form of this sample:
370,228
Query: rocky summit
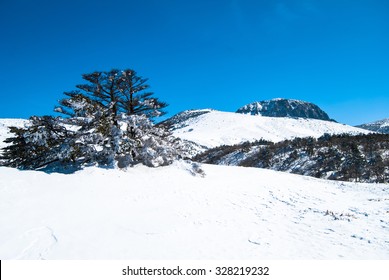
280,107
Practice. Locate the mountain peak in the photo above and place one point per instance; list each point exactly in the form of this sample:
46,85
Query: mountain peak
281,107
381,126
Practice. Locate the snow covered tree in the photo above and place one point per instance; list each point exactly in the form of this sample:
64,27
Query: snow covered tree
113,112
45,140
378,167
14,155
108,123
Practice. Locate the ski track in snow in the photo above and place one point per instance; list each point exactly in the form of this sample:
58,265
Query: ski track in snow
167,213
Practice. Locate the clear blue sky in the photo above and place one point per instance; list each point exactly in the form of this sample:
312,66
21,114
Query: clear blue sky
201,53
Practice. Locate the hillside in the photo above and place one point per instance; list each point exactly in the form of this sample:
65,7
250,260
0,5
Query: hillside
381,126
212,128
170,213
362,158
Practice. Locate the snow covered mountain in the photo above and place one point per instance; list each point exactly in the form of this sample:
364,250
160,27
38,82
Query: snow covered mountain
280,107
381,126
170,213
210,128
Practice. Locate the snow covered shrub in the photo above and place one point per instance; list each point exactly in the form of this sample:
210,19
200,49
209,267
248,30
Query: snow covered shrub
196,169
138,140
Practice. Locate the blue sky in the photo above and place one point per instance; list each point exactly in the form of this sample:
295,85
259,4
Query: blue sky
202,53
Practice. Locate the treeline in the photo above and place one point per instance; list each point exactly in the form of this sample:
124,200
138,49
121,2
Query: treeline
361,158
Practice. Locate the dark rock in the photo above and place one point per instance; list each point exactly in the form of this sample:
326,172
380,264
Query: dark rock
285,108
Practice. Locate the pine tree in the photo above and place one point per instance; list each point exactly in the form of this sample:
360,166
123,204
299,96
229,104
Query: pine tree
115,108
14,154
378,167
44,141
134,100
120,90
356,161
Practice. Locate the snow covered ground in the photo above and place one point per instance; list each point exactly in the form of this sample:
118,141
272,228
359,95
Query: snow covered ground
169,213
217,128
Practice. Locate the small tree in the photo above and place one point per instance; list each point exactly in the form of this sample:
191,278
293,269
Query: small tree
378,167
356,161
44,141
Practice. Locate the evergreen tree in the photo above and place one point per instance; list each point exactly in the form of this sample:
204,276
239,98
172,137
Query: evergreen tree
378,167
122,91
45,140
134,100
356,161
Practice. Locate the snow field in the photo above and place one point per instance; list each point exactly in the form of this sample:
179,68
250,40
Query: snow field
168,213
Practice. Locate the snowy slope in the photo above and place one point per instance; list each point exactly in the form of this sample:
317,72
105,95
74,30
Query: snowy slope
216,128
168,213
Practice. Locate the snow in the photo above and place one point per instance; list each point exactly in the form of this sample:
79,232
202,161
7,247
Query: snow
224,128
169,213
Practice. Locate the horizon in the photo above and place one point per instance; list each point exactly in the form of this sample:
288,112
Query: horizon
201,54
